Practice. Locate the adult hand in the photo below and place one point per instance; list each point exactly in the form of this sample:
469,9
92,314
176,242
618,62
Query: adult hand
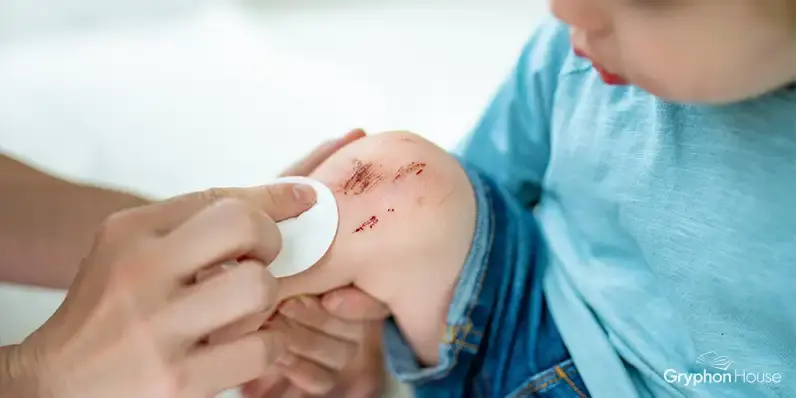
334,349
134,320
335,342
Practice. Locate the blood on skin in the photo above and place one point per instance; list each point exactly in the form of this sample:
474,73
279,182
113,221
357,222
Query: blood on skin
370,223
414,167
366,176
363,179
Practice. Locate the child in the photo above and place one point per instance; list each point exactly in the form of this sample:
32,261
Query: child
654,144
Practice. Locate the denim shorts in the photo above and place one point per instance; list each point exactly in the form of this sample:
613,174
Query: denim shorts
501,340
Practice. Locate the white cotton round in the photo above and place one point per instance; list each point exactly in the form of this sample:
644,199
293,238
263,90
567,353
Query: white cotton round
306,238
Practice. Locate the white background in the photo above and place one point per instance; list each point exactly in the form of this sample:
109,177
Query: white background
166,96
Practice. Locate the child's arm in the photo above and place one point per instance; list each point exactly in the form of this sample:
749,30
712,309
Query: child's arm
407,217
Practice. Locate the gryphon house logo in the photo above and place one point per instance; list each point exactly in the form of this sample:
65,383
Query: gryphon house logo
715,361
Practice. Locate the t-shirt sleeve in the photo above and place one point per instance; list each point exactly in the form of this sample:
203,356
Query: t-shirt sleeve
511,142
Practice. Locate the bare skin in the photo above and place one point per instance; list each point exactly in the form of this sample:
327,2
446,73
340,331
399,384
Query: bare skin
127,326
688,51
47,225
407,217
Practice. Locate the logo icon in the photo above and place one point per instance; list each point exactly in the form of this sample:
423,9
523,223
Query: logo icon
715,361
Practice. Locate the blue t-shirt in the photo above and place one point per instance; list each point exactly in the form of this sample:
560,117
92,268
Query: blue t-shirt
670,229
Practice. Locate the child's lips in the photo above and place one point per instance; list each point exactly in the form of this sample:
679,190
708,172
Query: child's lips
605,75
610,78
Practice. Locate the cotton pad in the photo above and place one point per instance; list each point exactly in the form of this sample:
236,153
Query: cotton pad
306,238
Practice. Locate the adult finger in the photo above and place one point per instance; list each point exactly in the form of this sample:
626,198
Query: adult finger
309,163
227,230
279,201
353,304
244,289
235,330
214,368
305,375
241,327
293,392
314,345
307,311
268,386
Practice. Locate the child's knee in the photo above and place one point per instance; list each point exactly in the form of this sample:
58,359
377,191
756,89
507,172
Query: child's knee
399,196
397,184
391,172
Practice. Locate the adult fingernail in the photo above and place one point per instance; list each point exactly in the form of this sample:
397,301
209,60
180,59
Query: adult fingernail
304,194
353,132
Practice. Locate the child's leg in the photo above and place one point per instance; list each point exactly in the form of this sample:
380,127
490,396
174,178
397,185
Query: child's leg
454,256
501,340
407,214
